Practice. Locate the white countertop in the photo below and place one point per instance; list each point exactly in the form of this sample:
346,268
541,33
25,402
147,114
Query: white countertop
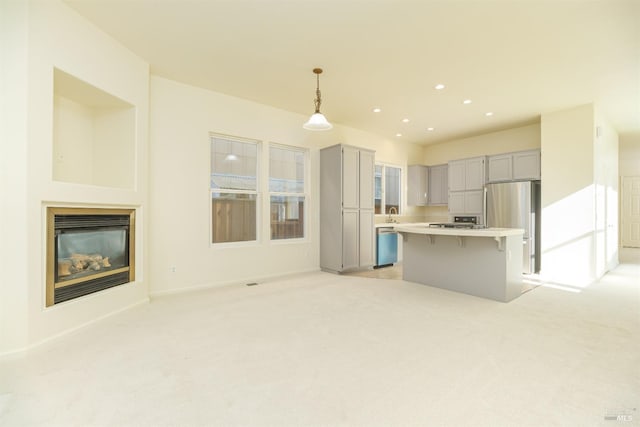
399,224
423,228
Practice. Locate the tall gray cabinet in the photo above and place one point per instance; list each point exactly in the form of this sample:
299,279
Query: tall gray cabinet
347,229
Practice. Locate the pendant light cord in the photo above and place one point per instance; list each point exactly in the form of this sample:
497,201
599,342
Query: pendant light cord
318,99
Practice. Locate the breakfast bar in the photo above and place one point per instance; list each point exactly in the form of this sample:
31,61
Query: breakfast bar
484,262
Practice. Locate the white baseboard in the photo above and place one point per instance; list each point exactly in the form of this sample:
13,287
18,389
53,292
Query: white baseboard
20,351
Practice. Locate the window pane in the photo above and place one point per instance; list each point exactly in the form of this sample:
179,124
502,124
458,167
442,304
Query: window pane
233,217
286,170
378,189
287,217
233,164
392,188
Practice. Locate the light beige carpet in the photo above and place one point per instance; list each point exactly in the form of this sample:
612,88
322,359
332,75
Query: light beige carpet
321,349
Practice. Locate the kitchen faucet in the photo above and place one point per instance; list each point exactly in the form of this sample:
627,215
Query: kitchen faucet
392,209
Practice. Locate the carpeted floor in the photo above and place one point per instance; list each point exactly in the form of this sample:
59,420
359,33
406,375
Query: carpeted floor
321,349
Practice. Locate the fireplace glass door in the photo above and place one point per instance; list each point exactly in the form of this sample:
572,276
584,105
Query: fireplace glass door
86,253
89,250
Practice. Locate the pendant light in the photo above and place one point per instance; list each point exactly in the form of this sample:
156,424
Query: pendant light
317,121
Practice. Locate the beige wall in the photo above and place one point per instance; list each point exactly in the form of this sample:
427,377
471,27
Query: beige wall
42,35
13,175
576,169
629,155
516,139
182,117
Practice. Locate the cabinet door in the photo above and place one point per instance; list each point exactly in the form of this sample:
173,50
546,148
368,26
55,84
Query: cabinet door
526,165
367,238
367,165
417,177
444,189
457,172
350,178
350,239
473,202
456,202
500,168
474,173
438,187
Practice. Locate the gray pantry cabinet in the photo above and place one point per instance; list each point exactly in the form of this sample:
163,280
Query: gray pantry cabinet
347,226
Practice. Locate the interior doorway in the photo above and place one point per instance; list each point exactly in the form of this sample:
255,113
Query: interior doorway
630,234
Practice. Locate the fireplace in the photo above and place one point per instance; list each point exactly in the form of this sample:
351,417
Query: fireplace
88,250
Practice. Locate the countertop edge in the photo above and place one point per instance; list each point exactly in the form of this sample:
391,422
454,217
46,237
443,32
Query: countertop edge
486,232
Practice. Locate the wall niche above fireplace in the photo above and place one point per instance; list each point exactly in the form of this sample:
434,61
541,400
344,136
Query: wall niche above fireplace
88,250
94,135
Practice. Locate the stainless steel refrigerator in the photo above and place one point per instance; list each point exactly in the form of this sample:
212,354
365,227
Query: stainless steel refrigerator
517,205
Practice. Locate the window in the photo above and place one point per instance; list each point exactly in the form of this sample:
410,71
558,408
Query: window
234,190
287,192
388,187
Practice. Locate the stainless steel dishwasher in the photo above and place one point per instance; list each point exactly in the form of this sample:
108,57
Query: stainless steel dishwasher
386,246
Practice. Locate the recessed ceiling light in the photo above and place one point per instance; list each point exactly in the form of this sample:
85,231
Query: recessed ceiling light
405,120
430,129
439,86
489,114
398,134
377,110
466,101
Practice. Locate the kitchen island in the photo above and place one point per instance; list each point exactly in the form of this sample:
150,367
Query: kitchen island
481,262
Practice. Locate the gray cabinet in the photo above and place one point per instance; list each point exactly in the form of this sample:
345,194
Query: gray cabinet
438,184
466,202
427,185
475,173
457,172
417,185
500,168
466,186
526,165
467,174
519,166
347,235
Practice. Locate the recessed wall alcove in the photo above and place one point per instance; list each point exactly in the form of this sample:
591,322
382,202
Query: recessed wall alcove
94,135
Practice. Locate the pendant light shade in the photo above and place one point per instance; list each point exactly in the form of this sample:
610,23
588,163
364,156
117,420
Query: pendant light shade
317,121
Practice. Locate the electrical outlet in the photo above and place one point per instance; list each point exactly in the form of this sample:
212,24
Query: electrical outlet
172,269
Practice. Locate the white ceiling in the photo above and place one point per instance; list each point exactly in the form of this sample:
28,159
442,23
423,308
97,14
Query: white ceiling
515,58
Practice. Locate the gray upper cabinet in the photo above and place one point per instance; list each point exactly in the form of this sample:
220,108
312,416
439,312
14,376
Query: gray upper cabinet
457,173
347,234
438,185
519,166
417,185
526,165
467,174
500,168
475,173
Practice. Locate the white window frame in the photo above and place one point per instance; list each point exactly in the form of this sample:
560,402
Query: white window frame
401,204
305,194
258,193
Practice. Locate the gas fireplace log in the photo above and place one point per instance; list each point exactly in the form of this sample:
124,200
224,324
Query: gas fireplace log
64,268
82,262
